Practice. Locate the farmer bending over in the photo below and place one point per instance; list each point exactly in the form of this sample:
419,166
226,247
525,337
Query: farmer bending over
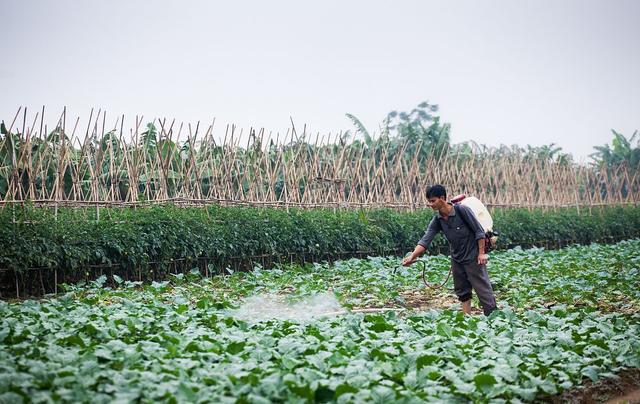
466,239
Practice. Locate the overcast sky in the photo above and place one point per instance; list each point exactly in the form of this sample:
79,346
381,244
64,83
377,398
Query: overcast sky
503,72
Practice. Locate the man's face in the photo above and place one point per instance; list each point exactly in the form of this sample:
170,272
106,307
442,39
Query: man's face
437,202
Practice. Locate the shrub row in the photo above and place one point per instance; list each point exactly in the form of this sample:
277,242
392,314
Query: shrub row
144,237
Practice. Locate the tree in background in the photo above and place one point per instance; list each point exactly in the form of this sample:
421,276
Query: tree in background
622,151
421,131
418,131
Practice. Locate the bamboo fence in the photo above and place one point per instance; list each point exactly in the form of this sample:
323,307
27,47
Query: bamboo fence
185,165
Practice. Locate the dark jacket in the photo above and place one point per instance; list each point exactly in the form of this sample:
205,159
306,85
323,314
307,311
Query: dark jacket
461,229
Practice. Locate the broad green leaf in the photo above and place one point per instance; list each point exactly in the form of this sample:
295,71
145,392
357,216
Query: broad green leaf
484,382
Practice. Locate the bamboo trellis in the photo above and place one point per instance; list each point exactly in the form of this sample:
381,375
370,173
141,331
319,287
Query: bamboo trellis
185,165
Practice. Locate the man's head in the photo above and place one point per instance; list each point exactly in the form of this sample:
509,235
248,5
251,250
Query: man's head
437,196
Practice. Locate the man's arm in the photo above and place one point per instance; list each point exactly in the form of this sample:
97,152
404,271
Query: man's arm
482,256
432,230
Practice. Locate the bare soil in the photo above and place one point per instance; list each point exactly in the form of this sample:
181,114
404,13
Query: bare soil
624,389
425,299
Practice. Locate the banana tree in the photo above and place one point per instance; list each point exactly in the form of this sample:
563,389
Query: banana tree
622,151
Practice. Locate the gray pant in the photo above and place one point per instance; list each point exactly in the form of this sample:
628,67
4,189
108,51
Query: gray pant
472,275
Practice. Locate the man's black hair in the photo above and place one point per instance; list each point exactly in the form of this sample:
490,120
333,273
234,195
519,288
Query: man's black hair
436,191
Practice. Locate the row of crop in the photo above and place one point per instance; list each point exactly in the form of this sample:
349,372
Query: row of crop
274,336
35,238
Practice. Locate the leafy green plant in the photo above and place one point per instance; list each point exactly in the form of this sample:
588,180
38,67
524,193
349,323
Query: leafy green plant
178,340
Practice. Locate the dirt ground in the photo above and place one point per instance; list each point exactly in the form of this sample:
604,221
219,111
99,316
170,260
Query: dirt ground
625,389
425,299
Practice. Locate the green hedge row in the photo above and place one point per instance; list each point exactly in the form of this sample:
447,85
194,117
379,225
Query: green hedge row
146,237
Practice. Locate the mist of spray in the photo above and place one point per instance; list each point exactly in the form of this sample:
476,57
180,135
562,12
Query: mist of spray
268,306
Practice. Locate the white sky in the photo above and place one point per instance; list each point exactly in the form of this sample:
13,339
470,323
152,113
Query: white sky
503,72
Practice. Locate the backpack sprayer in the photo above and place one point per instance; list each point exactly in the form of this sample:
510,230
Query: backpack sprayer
486,221
483,216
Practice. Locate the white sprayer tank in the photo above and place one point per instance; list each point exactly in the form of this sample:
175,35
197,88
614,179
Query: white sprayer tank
478,208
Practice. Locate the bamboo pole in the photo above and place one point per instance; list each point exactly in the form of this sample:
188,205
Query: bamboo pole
294,172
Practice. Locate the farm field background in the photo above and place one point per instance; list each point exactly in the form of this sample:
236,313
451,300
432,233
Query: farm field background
295,333
227,222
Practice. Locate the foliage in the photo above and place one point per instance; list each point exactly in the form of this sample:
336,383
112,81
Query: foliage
602,277
606,277
537,227
420,130
179,341
416,134
622,151
423,134
146,239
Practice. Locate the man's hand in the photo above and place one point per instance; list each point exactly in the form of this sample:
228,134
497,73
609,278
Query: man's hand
482,259
413,257
408,260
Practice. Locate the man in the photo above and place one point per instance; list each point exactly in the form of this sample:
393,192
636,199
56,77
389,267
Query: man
468,258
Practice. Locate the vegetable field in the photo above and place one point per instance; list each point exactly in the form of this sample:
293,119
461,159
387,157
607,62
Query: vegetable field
567,316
